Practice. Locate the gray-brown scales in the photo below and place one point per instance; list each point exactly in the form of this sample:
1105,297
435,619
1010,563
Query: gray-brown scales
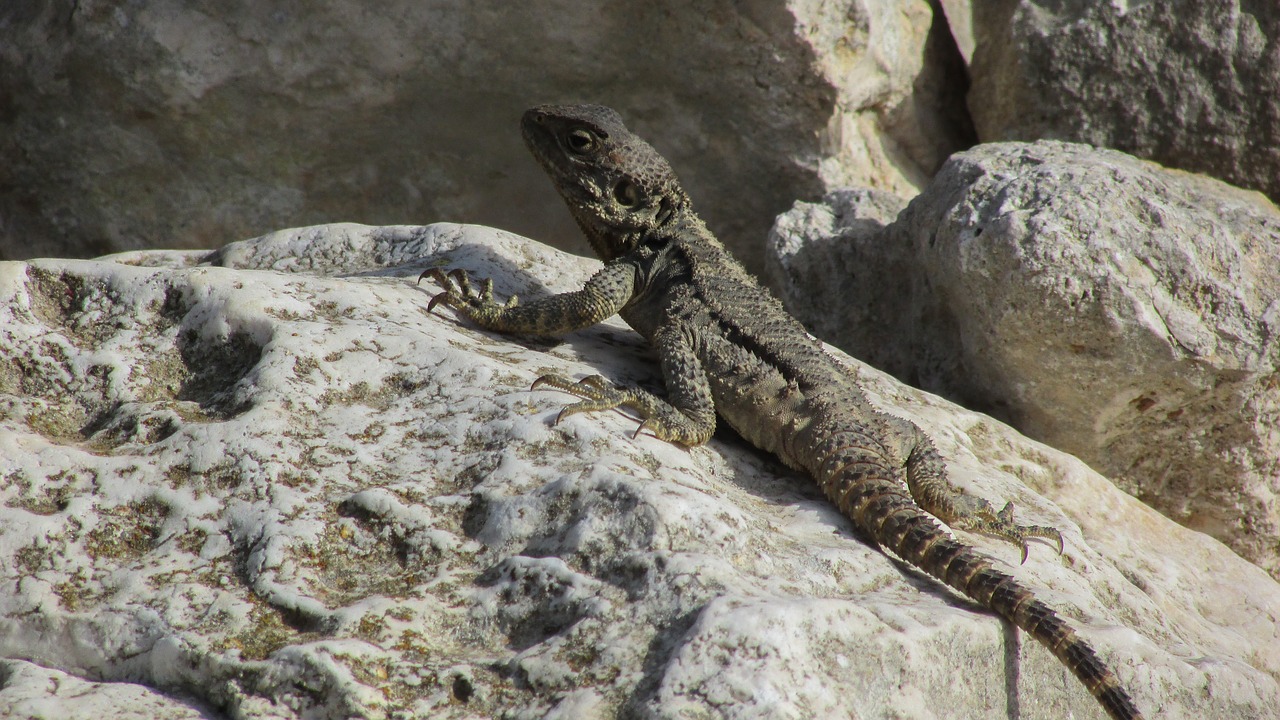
728,348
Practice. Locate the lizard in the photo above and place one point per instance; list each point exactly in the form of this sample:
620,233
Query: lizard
728,349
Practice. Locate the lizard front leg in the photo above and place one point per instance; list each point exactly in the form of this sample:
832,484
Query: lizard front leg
600,298
687,416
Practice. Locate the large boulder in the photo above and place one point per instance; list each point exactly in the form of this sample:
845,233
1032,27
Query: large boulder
1109,307
165,123
264,483
1188,83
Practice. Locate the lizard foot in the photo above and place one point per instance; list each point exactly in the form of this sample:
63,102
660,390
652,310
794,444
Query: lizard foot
462,296
656,416
596,392
1001,525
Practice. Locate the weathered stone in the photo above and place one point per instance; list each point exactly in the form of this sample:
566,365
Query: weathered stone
959,16
275,488
826,262
164,123
1191,84
1107,306
30,691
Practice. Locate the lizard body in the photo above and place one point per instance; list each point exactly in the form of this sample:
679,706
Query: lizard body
728,348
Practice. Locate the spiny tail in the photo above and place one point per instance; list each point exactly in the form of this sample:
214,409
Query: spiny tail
883,510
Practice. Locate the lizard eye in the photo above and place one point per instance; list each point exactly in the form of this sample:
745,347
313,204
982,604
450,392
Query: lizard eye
581,141
626,193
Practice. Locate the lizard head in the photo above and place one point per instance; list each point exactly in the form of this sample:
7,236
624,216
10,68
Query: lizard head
617,186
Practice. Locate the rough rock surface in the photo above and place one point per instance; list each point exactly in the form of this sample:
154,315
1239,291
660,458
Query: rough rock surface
1102,304
275,488
830,265
128,125
959,15
1190,83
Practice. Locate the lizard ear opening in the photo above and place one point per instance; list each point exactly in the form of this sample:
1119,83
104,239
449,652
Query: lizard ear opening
626,193
665,211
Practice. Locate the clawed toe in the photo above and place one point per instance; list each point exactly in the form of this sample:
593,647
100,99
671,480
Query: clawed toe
647,424
460,294
434,273
558,382
596,392
436,300
450,296
597,383
1001,524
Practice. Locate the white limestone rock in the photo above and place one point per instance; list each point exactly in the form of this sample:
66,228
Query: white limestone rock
1102,304
31,692
275,488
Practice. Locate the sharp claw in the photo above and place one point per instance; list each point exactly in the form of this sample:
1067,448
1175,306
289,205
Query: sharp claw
559,416
435,300
1062,545
424,274
1025,551
552,381
639,428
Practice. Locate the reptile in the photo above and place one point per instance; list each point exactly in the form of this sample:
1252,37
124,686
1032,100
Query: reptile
728,349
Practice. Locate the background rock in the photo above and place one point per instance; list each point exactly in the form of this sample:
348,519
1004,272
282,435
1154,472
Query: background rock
274,487
1114,309
1190,83
166,122
833,269
960,20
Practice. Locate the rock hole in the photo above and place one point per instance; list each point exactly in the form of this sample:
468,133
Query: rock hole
463,691
215,370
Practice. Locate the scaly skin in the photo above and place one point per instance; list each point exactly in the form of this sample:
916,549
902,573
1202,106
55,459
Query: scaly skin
727,347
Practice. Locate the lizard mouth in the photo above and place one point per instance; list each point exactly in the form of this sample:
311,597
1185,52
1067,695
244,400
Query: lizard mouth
542,128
